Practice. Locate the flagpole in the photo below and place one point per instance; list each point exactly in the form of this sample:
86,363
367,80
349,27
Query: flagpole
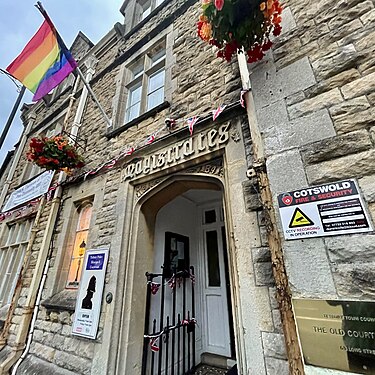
39,6
11,116
89,89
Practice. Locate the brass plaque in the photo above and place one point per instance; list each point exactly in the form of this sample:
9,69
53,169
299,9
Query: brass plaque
337,334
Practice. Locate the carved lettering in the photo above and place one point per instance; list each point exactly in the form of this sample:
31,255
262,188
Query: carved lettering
199,144
188,147
211,138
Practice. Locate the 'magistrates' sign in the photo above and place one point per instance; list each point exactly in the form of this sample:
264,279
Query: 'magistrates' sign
204,142
324,210
89,300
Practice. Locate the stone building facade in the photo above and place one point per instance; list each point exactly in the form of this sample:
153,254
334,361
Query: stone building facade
311,102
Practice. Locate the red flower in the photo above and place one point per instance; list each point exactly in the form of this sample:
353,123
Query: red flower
277,30
219,4
267,45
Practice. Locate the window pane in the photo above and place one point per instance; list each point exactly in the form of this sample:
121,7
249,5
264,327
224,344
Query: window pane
156,81
85,217
134,95
137,69
158,2
157,55
213,258
132,112
79,247
146,12
156,98
11,257
209,216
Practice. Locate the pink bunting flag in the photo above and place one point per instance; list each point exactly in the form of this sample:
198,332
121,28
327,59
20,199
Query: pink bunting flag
153,344
217,112
110,164
191,122
150,139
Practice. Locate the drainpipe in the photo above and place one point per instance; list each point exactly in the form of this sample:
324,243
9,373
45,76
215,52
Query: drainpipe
259,170
38,281
17,157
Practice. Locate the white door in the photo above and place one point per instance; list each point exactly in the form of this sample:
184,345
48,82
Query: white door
215,328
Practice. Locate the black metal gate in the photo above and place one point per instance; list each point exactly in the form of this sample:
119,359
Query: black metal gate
169,337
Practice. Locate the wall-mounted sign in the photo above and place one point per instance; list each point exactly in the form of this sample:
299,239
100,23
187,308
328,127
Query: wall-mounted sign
204,142
33,189
324,210
89,299
337,334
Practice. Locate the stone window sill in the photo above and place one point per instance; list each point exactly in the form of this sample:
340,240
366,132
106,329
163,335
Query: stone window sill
62,301
112,132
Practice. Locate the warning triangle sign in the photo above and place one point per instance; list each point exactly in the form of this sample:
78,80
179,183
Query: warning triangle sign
299,219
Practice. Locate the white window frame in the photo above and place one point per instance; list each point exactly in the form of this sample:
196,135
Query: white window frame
12,250
141,78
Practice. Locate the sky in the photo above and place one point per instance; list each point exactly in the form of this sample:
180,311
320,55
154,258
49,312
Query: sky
19,20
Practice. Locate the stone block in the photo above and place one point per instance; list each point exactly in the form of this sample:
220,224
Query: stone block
359,87
263,274
34,365
311,257
42,351
355,280
295,98
337,80
261,255
350,14
296,77
277,321
343,59
359,165
351,249
251,196
86,348
355,121
349,107
286,172
335,147
274,345
64,317
73,363
324,100
367,186
277,366
71,344
266,85
304,130
368,17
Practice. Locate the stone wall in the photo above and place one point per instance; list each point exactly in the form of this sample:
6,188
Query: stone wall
314,98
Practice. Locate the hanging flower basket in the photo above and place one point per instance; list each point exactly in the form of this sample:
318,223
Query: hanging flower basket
240,26
54,153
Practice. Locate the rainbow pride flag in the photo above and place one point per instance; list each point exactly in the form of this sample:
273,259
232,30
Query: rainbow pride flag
44,63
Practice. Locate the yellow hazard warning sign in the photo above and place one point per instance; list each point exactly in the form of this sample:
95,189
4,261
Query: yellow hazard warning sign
300,219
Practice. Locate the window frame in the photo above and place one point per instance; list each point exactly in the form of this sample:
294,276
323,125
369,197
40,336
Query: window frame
142,80
74,233
13,251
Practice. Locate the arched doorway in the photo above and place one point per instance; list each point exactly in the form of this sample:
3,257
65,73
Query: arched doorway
188,317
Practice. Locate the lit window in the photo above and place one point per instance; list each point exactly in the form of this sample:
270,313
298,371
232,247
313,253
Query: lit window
12,252
79,247
147,80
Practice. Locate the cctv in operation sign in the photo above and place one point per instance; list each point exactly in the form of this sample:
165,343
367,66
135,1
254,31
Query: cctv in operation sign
324,210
